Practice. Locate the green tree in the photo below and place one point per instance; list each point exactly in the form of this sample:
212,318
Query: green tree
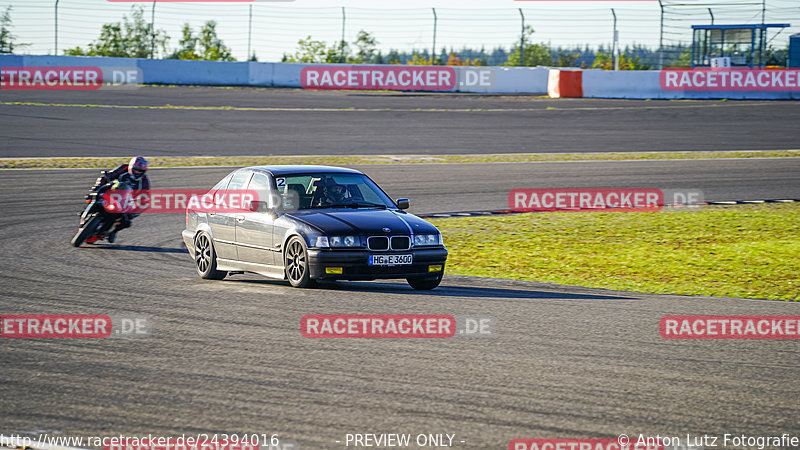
605,61
566,59
211,46
776,57
338,53
134,37
205,46
533,54
365,45
684,59
7,39
139,38
393,57
187,46
313,51
308,51
421,60
110,43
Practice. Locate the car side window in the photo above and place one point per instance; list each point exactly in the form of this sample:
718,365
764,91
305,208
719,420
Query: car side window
239,180
260,184
364,192
223,183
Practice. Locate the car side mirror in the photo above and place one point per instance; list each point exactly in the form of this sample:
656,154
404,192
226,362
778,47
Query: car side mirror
256,206
403,203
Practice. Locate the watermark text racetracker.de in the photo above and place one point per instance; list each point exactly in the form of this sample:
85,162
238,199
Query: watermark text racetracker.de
373,326
197,441
178,200
726,79
649,199
397,78
73,326
730,327
69,78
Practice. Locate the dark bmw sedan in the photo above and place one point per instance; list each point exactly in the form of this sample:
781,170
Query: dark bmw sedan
314,223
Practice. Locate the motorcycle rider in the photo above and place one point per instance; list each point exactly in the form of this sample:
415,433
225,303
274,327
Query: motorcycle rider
132,175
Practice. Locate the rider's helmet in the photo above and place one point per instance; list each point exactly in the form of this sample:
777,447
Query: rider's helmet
334,192
137,167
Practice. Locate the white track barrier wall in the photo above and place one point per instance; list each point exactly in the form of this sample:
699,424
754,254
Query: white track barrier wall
529,80
646,84
522,80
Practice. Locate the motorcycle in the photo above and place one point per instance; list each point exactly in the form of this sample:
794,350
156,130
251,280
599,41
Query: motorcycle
99,216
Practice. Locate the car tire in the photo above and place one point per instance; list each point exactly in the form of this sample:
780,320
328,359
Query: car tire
424,283
295,263
205,258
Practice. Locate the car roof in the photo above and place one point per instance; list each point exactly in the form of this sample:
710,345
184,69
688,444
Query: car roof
298,168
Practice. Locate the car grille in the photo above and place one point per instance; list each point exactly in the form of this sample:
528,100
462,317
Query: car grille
381,243
378,243
401,243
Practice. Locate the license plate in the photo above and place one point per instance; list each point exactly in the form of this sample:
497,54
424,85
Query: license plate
389,260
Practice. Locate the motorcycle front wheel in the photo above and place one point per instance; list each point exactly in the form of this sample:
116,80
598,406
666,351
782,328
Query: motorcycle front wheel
87,231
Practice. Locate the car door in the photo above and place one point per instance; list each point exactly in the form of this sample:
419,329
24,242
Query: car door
223,224
254,240
299,184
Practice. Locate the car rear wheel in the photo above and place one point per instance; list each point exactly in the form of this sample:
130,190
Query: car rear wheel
296,263
425,283
205,258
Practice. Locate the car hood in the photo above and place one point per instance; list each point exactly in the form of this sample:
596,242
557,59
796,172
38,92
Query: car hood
364,221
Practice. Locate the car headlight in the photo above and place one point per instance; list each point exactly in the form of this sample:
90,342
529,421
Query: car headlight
338,241
427,239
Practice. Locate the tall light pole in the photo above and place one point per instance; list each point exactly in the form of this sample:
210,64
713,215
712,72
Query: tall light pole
56,30
433,50
522,40
614,49
763,44
249,31
341,44
153,31
661,38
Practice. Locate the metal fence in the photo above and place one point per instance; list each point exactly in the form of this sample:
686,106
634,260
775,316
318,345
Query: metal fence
677,17
270,30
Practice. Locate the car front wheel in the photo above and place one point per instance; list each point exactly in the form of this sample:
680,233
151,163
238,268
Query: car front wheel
425,283
296,263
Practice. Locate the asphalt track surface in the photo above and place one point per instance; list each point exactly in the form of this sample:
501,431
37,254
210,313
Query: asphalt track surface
296,122
228,357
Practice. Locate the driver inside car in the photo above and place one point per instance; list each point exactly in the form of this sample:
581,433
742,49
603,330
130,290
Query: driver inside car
333,194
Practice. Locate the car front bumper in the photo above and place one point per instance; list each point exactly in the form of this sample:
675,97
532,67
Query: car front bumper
354,264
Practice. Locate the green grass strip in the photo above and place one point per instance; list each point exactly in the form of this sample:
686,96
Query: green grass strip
189,161
748,251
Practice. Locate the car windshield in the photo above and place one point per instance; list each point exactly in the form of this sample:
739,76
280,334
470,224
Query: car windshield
330,190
